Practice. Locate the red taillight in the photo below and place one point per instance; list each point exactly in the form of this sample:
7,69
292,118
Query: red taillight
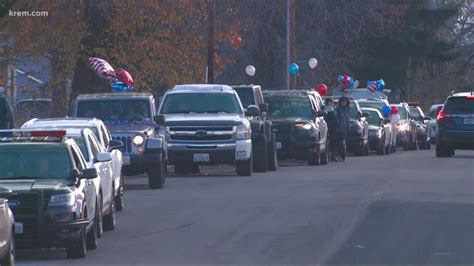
53,133
441,115
470,97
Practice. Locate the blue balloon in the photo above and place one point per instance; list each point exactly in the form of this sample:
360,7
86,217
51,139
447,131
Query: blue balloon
121,87
351,82
340,77
380,84
293,69
386,110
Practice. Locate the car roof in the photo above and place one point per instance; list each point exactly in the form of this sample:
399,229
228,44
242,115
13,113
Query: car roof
463,94
114,95
193,88
289,93
63,122
251,86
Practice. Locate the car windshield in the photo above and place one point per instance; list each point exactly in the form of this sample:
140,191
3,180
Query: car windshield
433,112
372,104
246,96
34,161
402,112
113,111
373,119
459,105
289,106
416,114
353,113
185,103
81,142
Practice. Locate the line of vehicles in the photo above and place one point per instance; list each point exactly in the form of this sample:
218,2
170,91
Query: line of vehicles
62,179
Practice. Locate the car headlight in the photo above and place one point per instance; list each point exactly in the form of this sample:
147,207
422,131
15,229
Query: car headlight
62,200
138,140
243,132
306,126
403,127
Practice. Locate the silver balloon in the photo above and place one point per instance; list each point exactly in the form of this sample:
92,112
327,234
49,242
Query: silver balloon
313,63
250,70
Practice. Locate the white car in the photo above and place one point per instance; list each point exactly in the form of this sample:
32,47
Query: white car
432,114
107,144
7,230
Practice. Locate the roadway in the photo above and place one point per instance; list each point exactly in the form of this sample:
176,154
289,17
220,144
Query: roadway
403,208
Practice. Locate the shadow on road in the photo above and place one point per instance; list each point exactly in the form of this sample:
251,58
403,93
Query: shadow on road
396,232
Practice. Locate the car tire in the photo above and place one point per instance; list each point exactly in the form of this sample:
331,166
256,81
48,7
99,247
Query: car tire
119,200
259,149
78,250
380,150
9,259
272,158
443,152
156,176
325,154
109,219
244,168
93,234
366,150
315,157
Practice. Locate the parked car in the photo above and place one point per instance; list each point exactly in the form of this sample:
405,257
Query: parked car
55,201
431,124
7,229
379,104
380,132
211,130
455,127
105,141
406,128
299,125
422,135
131,118
263,138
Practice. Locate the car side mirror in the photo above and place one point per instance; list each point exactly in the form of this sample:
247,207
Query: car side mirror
263,107
74,173
387,121
364,114
5,193
89,173
115,145
104,157
252,110
159,119
321,113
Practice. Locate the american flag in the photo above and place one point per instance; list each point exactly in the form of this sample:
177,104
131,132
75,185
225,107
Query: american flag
372,85
102,68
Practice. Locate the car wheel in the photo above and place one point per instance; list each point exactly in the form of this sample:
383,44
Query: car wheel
156,176
443,152
78,249
366,150
109,219
93,234
119,200
380,150
244,168
9,259
272,158
325,155
259,149
388,148
315,157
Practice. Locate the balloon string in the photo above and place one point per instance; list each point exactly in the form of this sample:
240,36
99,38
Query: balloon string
304,80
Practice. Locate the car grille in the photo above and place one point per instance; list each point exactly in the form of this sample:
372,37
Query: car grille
197,134
127,143
28,208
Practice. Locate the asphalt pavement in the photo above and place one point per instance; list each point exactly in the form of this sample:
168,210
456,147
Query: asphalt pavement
403,208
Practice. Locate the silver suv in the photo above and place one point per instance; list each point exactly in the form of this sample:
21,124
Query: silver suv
206,124
7,230
131,119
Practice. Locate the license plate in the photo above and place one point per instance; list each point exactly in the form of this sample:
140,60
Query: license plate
279,146
468,121
18,228
201,157
126,160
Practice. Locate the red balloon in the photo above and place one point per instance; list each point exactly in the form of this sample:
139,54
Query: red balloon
394,110
322,89
346,81
237,41
124,76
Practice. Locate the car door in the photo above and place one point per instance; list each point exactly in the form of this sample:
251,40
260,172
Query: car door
89,189
103,168
5,229
116,163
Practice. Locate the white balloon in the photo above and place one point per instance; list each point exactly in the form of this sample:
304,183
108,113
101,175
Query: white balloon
250,70
313,63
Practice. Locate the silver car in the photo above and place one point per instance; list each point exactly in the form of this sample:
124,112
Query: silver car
7,230
432,114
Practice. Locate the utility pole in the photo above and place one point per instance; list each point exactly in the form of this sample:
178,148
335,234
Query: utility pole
211,41
290,41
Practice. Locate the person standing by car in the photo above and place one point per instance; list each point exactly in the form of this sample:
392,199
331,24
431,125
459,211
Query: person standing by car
331,120
342,114
6,113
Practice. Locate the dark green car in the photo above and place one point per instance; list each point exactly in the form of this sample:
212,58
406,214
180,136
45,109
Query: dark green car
54,199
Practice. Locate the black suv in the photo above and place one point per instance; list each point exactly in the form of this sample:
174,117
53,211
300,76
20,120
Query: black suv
299,125
263,139
55,201
455,128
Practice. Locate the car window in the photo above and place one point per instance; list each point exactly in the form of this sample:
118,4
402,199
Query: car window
290,107
246,96
81,142
184,103
35,161
116,111
415,112
402,112
433,112
459,105
105,136
94,148
80,165
373,119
